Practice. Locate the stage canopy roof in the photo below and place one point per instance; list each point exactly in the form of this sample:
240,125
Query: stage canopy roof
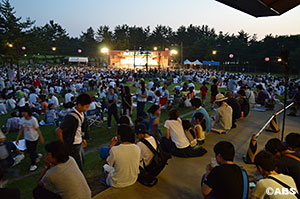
262,8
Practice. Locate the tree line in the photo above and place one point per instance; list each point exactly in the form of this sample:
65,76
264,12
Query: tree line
21,37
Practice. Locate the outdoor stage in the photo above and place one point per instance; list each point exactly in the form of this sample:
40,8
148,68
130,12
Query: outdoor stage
139,59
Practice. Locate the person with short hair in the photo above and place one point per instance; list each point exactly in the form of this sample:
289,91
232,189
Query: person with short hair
32,132
236,107
197,105
200,134
112,99
175,141
146,154
68,96
287,161
293,141
265,163
123,161
214,91
244,103
13,123
73,130
226,179
63,173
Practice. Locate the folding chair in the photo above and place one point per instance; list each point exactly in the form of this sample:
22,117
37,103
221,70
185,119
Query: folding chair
93,117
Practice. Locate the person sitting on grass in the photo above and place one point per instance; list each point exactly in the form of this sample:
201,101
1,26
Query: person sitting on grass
175,141
273,181
13,123
200,134
154,111
189,132
223,115
63,173
50,115
7,150
123,161
223,178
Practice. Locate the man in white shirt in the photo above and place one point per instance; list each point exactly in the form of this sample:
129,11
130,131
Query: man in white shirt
33,98
54,101
123,161
68,96
146,154
273,185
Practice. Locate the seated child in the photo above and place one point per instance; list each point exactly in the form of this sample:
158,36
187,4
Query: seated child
200,134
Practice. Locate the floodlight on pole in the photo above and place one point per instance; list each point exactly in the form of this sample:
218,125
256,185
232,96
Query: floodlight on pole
10,45
53,48
279,60
214,52
155,48
104,50
174,52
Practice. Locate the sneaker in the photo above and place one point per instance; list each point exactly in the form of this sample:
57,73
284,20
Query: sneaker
33,168
39,157
18,159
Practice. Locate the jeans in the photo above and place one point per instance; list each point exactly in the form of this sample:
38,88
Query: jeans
112,111
140,110
31,148
77,153
169,146
42,193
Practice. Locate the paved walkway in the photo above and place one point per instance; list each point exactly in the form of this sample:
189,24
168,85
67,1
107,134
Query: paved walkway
181,178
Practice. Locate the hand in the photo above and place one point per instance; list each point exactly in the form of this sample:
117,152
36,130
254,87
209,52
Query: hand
47,162
114,141
42,141
17,142
84,143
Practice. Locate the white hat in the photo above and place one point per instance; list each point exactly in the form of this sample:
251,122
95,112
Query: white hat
220,97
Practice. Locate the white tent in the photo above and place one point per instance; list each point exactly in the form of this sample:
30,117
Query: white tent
186,62
197,62
78,59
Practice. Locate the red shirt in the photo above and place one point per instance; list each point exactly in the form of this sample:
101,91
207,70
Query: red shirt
203,90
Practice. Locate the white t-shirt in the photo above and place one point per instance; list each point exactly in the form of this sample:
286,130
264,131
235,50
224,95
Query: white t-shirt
29,127
54,101
78,135
33,98
146,153
263,186
68,97
177,133
125,160
21,103
67,178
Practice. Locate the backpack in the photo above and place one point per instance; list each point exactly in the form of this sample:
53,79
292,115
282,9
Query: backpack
160,159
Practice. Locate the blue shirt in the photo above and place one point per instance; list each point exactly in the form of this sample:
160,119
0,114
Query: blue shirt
206,116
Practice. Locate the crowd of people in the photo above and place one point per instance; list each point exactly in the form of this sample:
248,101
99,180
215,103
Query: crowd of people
36,95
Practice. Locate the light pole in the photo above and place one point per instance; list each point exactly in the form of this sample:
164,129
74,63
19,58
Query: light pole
54,50
105,51
173,54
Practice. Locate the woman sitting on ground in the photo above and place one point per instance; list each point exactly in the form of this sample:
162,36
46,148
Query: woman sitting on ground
175,141
154,121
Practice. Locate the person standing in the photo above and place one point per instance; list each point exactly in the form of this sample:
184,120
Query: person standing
127,102
203,90
112,99
214,91
30,127
142,95
73,131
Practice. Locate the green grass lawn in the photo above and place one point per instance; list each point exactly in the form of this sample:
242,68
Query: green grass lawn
92,167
